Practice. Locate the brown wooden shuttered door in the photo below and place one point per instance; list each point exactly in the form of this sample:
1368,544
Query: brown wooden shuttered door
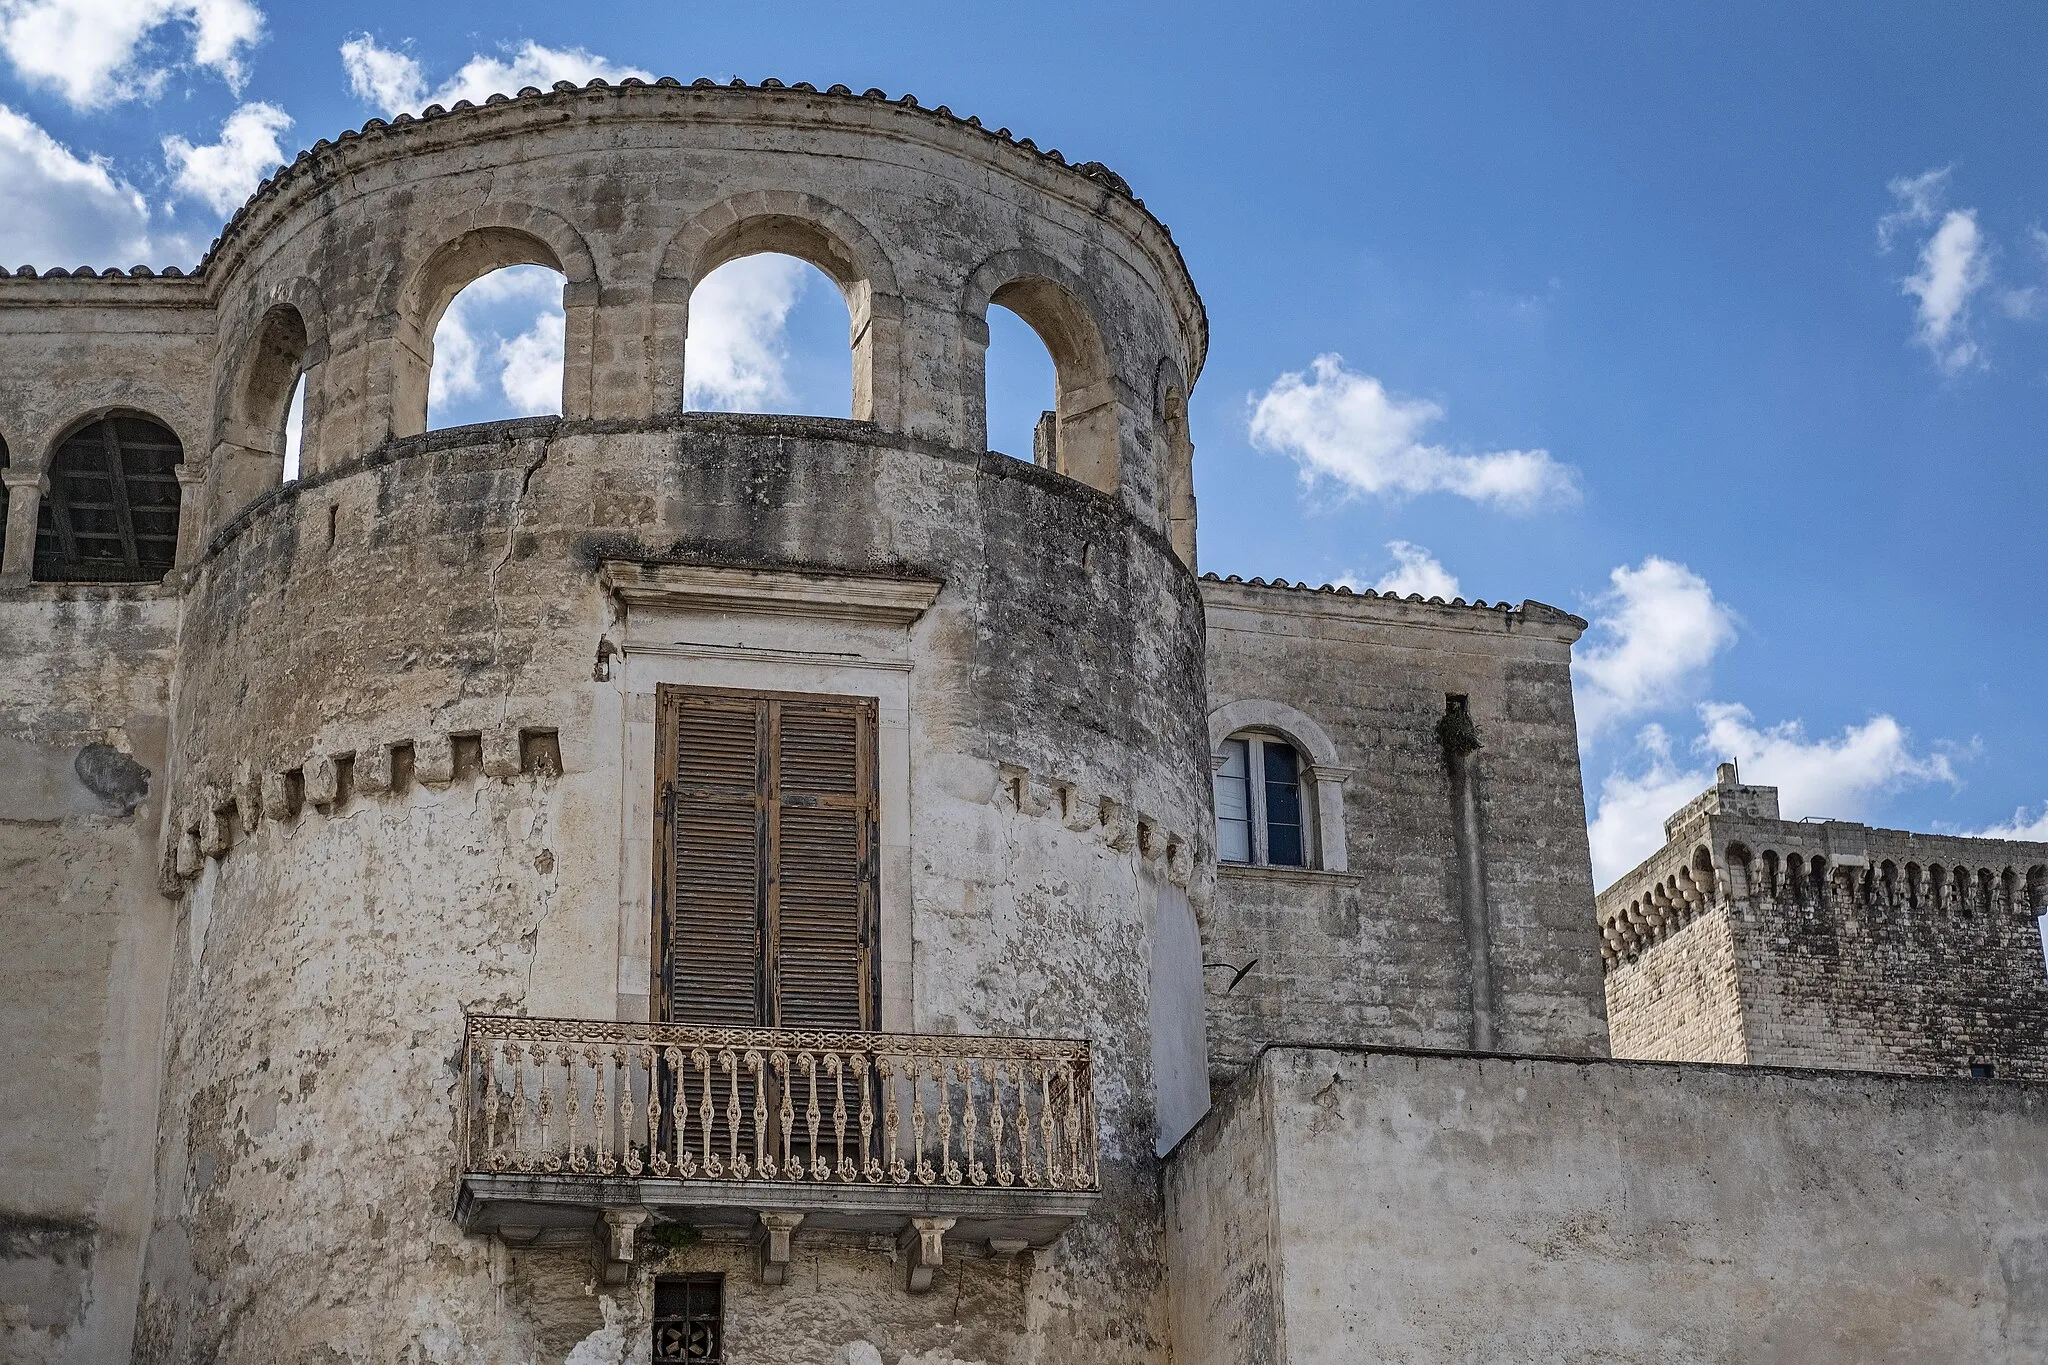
768,866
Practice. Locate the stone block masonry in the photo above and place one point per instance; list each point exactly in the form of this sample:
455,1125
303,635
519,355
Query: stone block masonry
1748,938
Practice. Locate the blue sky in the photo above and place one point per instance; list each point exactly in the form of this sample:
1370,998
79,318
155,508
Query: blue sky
1725,327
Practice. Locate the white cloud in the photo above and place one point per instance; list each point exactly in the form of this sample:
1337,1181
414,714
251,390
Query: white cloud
2022,826
100,52
396,83
57,208
390,80
1919,199
222,174
512,317
1952,268
1655,632
1346,428
1417,570
1834,777
1628,819
531,365
735,357
1954,265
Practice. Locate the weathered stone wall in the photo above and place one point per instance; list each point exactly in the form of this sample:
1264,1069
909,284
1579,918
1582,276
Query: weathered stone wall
1444,1208
84,683
1849,946
1378,952
350,800
1683,1002
459,593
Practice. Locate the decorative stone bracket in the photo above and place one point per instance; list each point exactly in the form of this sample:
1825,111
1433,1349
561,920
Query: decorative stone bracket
925,1241
1112,821
337,771
776,1227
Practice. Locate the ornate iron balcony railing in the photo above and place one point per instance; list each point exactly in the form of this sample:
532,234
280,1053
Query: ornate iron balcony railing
796,1107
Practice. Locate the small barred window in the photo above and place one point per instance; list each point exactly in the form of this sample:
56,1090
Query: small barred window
689,1320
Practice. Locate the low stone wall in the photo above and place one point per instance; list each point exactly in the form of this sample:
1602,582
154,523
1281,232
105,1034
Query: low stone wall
1407,1207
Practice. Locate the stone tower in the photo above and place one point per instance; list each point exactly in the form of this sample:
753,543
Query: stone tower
400,717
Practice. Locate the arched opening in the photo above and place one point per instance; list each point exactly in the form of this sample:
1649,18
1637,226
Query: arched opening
1176,460
498,349
1023,391
1703,874
4,492
1263,814
111,515
770,332
1084,436
2037,905
1741,873
295,431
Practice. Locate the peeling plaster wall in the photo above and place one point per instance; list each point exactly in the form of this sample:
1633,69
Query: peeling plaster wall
84,672
1377,953
1445,1208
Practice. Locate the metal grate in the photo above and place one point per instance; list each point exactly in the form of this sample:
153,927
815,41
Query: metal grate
689,1325
111,515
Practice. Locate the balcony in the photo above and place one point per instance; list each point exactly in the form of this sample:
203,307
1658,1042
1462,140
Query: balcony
575,1127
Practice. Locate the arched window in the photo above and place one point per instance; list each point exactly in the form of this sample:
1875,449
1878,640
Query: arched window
1262,814
1023,391
498,349
111,515
769,333
4,492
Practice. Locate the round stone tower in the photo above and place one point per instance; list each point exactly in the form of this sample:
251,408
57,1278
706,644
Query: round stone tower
423,763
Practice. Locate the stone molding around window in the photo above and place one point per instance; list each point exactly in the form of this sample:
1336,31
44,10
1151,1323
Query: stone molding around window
1302,731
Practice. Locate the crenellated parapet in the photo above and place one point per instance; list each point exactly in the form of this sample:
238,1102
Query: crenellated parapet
1750,938
1728,848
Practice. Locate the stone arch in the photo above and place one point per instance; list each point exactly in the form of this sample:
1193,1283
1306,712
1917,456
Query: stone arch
1058,305
1174,456
812,229
1741,871
468,247
1314,744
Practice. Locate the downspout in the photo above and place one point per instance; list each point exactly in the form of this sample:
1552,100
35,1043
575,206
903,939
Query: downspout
1461,741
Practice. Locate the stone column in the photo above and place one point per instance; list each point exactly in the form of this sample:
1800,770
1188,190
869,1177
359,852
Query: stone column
25,490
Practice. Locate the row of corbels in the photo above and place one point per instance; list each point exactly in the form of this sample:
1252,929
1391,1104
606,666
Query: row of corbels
1111,820
330,776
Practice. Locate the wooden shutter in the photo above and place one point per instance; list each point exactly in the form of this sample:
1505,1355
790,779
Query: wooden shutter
712,826
822,859
768,867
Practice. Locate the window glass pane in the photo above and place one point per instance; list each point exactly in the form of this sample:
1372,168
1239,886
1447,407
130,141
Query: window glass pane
1283,805
1233,804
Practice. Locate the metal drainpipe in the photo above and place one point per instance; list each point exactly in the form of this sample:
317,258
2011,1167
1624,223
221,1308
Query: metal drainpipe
1461,741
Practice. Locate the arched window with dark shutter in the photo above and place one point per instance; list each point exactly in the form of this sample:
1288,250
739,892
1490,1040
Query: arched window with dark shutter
111,515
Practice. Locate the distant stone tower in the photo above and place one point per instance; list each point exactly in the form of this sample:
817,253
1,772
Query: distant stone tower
449,727
1749,938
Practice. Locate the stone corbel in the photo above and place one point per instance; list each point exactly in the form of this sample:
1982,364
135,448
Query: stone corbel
214,803
1025,794
1116,823
925,1241
372,772
323,780
620,1224
501,751
776,1227
433,759
1077,813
